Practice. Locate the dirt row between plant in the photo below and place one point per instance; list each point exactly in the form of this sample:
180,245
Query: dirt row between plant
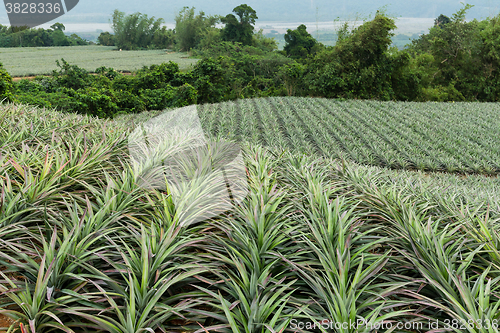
4,323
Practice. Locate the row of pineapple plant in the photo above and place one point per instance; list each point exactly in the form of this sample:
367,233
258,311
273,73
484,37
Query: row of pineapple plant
449,137
316,245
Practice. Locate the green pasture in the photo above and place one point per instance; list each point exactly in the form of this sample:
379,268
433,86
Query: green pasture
20,61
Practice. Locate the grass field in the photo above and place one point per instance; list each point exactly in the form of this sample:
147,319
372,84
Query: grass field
85,248
42,60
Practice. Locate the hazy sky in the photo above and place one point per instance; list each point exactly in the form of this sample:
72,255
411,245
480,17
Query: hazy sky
97,11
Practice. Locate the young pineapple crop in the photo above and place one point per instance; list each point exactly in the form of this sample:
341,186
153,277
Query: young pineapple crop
104,229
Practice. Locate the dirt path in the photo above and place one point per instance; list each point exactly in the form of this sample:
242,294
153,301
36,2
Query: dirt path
19,78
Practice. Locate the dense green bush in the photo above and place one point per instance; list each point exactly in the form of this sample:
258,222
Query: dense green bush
210,80
157,99
405,81
184,95
6,87
107,92
56,100
228,49
239,76
157,76
129,103
292,76
359,66
462,59
126,83
71,76
362,65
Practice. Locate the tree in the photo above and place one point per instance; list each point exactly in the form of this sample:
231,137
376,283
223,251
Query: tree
134,31
58,26
368,43
491,58
106,39
59,38
299,43
455,48
464,59
77,40
441,21
360,64
189,28
163,38
239,31
15,37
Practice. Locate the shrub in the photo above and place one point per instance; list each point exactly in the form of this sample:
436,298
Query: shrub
29,86
71,76
128,102
157,76
126,83
184,95
441,94
6,88
209,80
359,66
110,73
94,101
56,100
157,99
291,74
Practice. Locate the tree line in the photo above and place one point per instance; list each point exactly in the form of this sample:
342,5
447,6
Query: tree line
456,60
192,31
25,37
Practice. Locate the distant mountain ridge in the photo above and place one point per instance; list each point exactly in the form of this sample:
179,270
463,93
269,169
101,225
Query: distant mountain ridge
280,10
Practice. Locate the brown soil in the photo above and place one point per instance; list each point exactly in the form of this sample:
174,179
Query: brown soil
4,323
19,78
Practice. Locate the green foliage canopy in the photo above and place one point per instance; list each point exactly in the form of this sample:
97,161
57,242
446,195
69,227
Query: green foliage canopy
299,43
462,59
137,31
106,39
242,30
359,66
189,28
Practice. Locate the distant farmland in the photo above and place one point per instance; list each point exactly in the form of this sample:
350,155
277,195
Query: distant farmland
42,60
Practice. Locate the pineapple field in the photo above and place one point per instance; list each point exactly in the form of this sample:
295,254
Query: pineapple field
354,216
450,137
